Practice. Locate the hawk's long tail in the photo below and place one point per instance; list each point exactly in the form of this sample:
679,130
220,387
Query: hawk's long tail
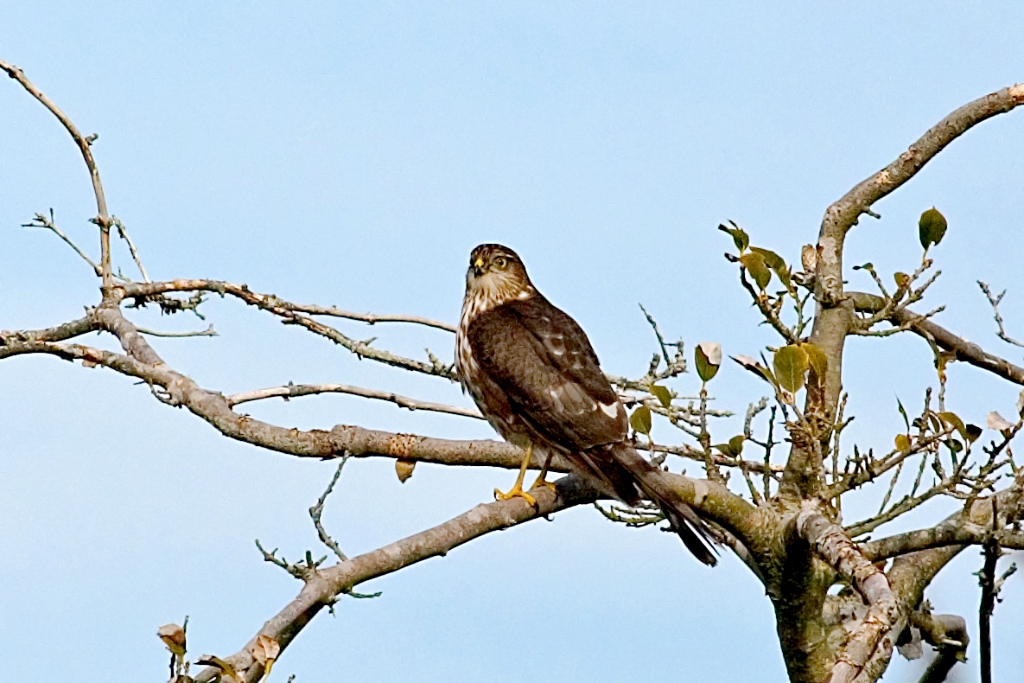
697,536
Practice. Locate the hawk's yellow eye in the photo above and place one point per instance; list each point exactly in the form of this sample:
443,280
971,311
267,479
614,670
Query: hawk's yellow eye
500,263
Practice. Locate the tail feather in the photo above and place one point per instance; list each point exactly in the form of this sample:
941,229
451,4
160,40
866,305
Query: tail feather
697,536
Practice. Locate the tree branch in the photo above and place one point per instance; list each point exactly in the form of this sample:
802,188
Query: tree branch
141,291
295,390
834,312
844,213
369,318
832,544
961,533
323,588
965,351
85,146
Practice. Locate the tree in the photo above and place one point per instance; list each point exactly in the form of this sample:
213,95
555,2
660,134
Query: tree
782,514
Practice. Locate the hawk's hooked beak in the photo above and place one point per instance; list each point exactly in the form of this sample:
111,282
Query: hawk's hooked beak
478,267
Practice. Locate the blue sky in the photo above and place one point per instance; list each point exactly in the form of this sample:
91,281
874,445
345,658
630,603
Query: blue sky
353,154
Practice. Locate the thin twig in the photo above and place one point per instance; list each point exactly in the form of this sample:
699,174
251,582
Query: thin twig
123,232
317,510
294,390
995,301
42,221
208,332
657,333
369,318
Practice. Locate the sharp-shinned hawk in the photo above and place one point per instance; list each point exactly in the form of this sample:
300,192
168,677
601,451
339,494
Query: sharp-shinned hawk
536,378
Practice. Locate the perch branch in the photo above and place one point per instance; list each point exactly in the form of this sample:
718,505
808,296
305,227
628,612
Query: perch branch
326,585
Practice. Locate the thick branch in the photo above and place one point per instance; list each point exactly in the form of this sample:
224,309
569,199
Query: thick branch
327,585
845,212
717,502
960,533
832,544
834,311
965,350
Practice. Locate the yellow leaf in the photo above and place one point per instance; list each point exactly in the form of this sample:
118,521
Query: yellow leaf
173,637
404,468
266,650
791,365
218,663
817,360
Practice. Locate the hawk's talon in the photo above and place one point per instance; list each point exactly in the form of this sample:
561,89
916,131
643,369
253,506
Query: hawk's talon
516,492
517,488
542,483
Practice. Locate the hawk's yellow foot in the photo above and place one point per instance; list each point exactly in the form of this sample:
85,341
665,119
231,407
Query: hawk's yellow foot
517,489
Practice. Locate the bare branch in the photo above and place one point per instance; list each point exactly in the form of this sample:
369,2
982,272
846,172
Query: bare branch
47,222
947,633
657,333
68,330
966,351
326,585
942,535
85,146
994,301
368,318
284,310
123,232
208,332
295,390
317,510
845,212
832,544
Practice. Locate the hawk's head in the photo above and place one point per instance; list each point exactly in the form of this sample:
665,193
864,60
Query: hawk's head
496,275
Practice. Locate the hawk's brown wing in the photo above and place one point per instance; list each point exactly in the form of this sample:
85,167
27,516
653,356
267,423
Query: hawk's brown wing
542,359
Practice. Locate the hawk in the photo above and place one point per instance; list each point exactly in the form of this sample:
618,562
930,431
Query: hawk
534,375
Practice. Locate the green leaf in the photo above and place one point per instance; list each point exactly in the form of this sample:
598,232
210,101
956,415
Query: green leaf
902,280
817,360
640,420
973,432
903,443
791,365
758,269
739,236
663,395
903,412
931,227
733,448
708,356
777,264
